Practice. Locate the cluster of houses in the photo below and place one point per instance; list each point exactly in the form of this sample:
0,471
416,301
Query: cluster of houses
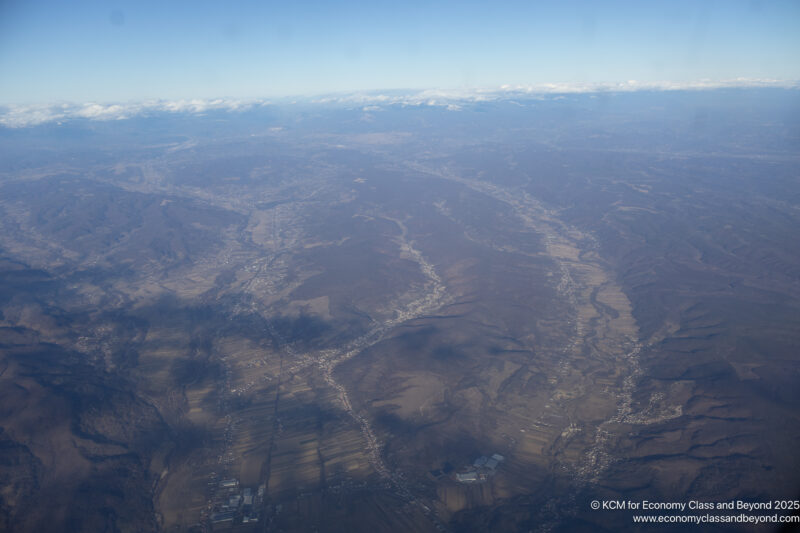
234,503
482,468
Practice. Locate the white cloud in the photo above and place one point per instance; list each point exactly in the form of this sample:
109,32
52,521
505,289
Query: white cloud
453,100
31,115
634,85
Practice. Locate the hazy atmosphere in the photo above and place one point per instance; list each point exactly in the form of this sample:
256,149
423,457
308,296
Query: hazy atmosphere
422,267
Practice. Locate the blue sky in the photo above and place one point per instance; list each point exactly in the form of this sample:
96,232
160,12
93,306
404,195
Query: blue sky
119,51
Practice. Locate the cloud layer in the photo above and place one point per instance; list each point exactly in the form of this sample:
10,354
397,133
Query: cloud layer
31,115
452,98
19,116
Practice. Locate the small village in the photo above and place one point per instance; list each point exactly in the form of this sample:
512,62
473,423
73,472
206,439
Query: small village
482,469
233,504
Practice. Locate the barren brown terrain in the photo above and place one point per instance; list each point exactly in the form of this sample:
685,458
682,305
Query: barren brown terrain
327,319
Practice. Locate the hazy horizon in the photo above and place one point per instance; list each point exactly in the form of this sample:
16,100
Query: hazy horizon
31,114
